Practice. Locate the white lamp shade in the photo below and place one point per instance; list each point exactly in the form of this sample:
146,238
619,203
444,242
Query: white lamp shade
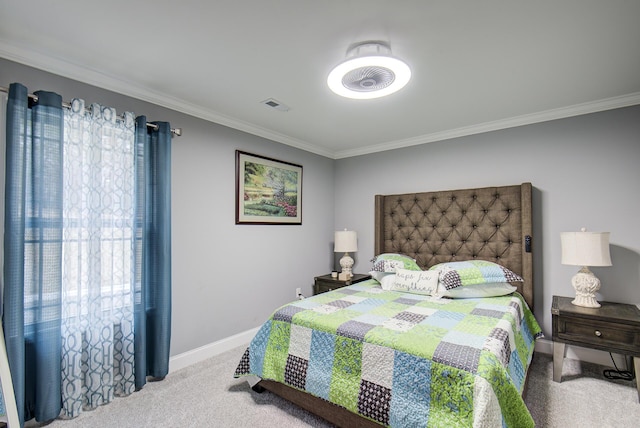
345,241
585,248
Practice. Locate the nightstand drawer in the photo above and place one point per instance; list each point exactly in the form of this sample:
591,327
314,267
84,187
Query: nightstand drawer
596,333
613,327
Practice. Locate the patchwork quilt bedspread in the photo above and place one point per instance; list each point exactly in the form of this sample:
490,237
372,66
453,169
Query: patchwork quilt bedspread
403,360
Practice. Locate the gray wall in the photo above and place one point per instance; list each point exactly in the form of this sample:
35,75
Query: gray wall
227,278
585,172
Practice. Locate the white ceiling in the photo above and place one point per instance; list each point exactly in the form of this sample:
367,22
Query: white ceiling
477,65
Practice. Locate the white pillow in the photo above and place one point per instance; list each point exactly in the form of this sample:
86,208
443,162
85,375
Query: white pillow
378,276
492,289
386,281
415,281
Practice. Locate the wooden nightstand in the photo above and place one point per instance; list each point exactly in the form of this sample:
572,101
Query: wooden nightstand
613,327
325,283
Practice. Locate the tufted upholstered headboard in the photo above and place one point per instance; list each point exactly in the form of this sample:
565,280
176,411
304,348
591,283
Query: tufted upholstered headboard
490,223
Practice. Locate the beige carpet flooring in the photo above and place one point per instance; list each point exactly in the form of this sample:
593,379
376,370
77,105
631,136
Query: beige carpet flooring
207,395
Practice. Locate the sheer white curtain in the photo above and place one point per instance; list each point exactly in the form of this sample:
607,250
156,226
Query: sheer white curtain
98,257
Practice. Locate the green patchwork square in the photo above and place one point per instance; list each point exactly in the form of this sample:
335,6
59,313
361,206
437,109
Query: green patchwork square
421,340
513,407
452,402
388,310
477,325
502,300
490,368
531,322
327,322
276,351
347,367
521,347
463,306
382,336
387,295
324,298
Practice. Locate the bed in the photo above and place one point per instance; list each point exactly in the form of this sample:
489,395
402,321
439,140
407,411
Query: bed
364,356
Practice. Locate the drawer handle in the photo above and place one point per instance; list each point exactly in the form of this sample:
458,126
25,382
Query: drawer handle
598,333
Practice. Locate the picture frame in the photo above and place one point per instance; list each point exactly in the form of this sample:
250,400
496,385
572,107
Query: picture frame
268,191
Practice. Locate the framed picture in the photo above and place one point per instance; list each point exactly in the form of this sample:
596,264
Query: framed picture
268,191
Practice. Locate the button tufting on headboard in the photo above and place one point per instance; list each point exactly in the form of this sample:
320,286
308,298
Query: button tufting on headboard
435,227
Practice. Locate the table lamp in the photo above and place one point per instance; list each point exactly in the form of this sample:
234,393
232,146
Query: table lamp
346,241
585,249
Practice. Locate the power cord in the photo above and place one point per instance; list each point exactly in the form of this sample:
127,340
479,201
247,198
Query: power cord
617,373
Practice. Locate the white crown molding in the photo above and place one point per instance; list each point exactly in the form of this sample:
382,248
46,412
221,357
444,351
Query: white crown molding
101,80
527,119
96,78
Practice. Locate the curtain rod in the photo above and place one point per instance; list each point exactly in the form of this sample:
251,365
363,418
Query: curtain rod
175,131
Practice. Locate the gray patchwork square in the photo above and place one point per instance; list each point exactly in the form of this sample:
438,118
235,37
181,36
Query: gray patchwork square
295,372
516,305
498,344
410,317
459,356
340,303
354,329
407,301
286,313
374,401
488,313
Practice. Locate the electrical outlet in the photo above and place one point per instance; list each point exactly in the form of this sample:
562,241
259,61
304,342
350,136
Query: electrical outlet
299,293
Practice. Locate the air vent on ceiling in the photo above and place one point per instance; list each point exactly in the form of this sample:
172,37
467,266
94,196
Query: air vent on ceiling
275,104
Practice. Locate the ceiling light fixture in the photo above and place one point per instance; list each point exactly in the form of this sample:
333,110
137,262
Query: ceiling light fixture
370,71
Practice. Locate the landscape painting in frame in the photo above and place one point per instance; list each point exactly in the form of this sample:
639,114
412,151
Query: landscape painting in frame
268,191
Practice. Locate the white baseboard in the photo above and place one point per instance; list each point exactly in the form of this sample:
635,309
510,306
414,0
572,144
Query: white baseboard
193,356
582,354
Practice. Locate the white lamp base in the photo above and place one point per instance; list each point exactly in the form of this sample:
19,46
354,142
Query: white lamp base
346,262
586,285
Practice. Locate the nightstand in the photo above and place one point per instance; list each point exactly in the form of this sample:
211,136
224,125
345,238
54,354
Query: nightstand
325,283
613,327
